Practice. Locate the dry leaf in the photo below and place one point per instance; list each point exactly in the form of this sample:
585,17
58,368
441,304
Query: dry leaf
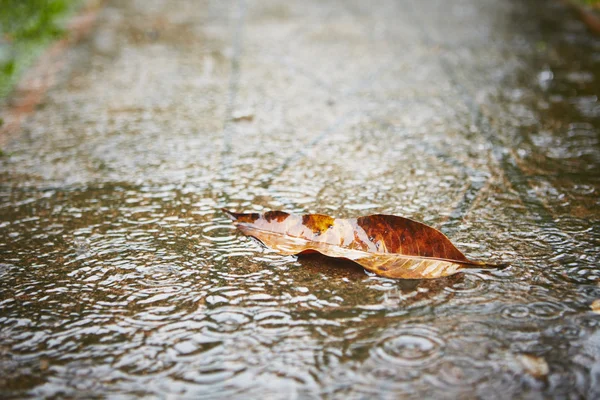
387,245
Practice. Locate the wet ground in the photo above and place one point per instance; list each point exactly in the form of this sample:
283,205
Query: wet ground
120,276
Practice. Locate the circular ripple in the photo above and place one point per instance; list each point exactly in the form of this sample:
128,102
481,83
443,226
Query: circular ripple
574,225
547,309
516,312
479,338
544,310
459,373
410,347
555,237
568,332
470,284
226,321
219,233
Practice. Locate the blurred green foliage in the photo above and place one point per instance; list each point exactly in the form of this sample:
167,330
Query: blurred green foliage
590,2
26,27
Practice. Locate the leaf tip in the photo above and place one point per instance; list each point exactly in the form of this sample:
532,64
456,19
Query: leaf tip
499,266
486,265
229,214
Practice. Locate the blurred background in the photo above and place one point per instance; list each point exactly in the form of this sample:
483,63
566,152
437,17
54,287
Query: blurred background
26,28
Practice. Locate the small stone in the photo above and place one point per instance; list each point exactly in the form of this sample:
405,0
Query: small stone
241,116
533,365
596,306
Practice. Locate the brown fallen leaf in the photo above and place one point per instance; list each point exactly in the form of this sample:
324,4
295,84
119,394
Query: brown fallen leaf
387,245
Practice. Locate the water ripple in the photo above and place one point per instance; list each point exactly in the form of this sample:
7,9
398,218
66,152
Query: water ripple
543,310
411,346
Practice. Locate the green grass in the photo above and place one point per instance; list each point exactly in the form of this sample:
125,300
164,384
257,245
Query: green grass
26,28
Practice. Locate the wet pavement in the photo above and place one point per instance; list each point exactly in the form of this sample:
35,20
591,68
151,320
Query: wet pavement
119,276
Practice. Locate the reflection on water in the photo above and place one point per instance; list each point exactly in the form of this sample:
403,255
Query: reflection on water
119,274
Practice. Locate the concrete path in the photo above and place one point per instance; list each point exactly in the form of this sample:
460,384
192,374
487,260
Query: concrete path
479,117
